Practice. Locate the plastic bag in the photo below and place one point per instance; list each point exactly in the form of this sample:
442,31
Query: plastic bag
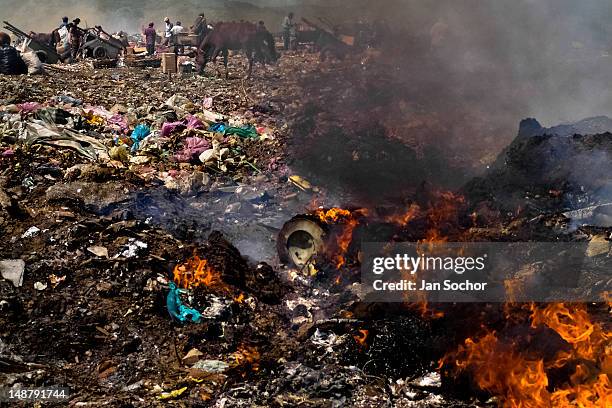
139,133
33,63
177,309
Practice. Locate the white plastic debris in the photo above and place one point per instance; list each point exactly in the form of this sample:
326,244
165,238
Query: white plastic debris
132,248
33,230
40,286
12,270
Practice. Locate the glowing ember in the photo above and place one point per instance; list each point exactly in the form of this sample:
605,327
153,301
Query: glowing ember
247,356
195,272
361,337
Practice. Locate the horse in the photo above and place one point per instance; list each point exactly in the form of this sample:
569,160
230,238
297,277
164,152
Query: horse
257,42
51,39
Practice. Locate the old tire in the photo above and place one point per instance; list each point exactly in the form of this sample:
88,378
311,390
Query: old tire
99,52
42,56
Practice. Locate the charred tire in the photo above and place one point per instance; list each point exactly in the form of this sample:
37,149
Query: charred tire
100,52
42,56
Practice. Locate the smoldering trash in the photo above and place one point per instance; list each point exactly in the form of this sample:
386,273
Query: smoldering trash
178,231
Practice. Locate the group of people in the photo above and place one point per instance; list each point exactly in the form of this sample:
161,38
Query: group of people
172,33
71,35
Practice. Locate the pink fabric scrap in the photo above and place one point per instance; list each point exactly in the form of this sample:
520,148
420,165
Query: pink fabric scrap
194,123
28,107
8,153
194,146
170,127
118,120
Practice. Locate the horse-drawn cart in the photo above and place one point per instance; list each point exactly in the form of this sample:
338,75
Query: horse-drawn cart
45,53
187,40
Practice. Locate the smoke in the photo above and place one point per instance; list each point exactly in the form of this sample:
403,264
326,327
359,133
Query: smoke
453,81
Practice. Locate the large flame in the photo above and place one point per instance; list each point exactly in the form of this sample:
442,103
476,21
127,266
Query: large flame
195,272
520,379
573,324
348,221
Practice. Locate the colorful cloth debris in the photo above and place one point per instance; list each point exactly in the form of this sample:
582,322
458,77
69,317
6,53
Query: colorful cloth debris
245,132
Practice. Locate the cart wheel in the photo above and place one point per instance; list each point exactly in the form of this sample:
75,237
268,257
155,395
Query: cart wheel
100,52
42,56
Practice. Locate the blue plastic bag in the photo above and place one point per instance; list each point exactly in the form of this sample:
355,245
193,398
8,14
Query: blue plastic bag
139,133
177,309
217,127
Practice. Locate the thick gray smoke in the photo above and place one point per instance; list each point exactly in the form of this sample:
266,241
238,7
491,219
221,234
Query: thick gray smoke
550,57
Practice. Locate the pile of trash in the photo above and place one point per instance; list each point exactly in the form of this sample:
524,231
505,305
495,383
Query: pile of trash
112,197
175,134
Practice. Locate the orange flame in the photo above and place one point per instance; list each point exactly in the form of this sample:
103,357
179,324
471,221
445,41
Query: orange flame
195,272
404,218
425,310
520,380
361,337
573,325
332,215
349,222
343,242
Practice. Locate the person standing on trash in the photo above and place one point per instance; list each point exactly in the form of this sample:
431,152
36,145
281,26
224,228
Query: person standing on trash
62,31
150,38
176,31
76,35
288,27
200,27
167,31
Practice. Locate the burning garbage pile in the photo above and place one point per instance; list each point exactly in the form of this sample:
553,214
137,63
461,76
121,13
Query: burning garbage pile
138,211
333,236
